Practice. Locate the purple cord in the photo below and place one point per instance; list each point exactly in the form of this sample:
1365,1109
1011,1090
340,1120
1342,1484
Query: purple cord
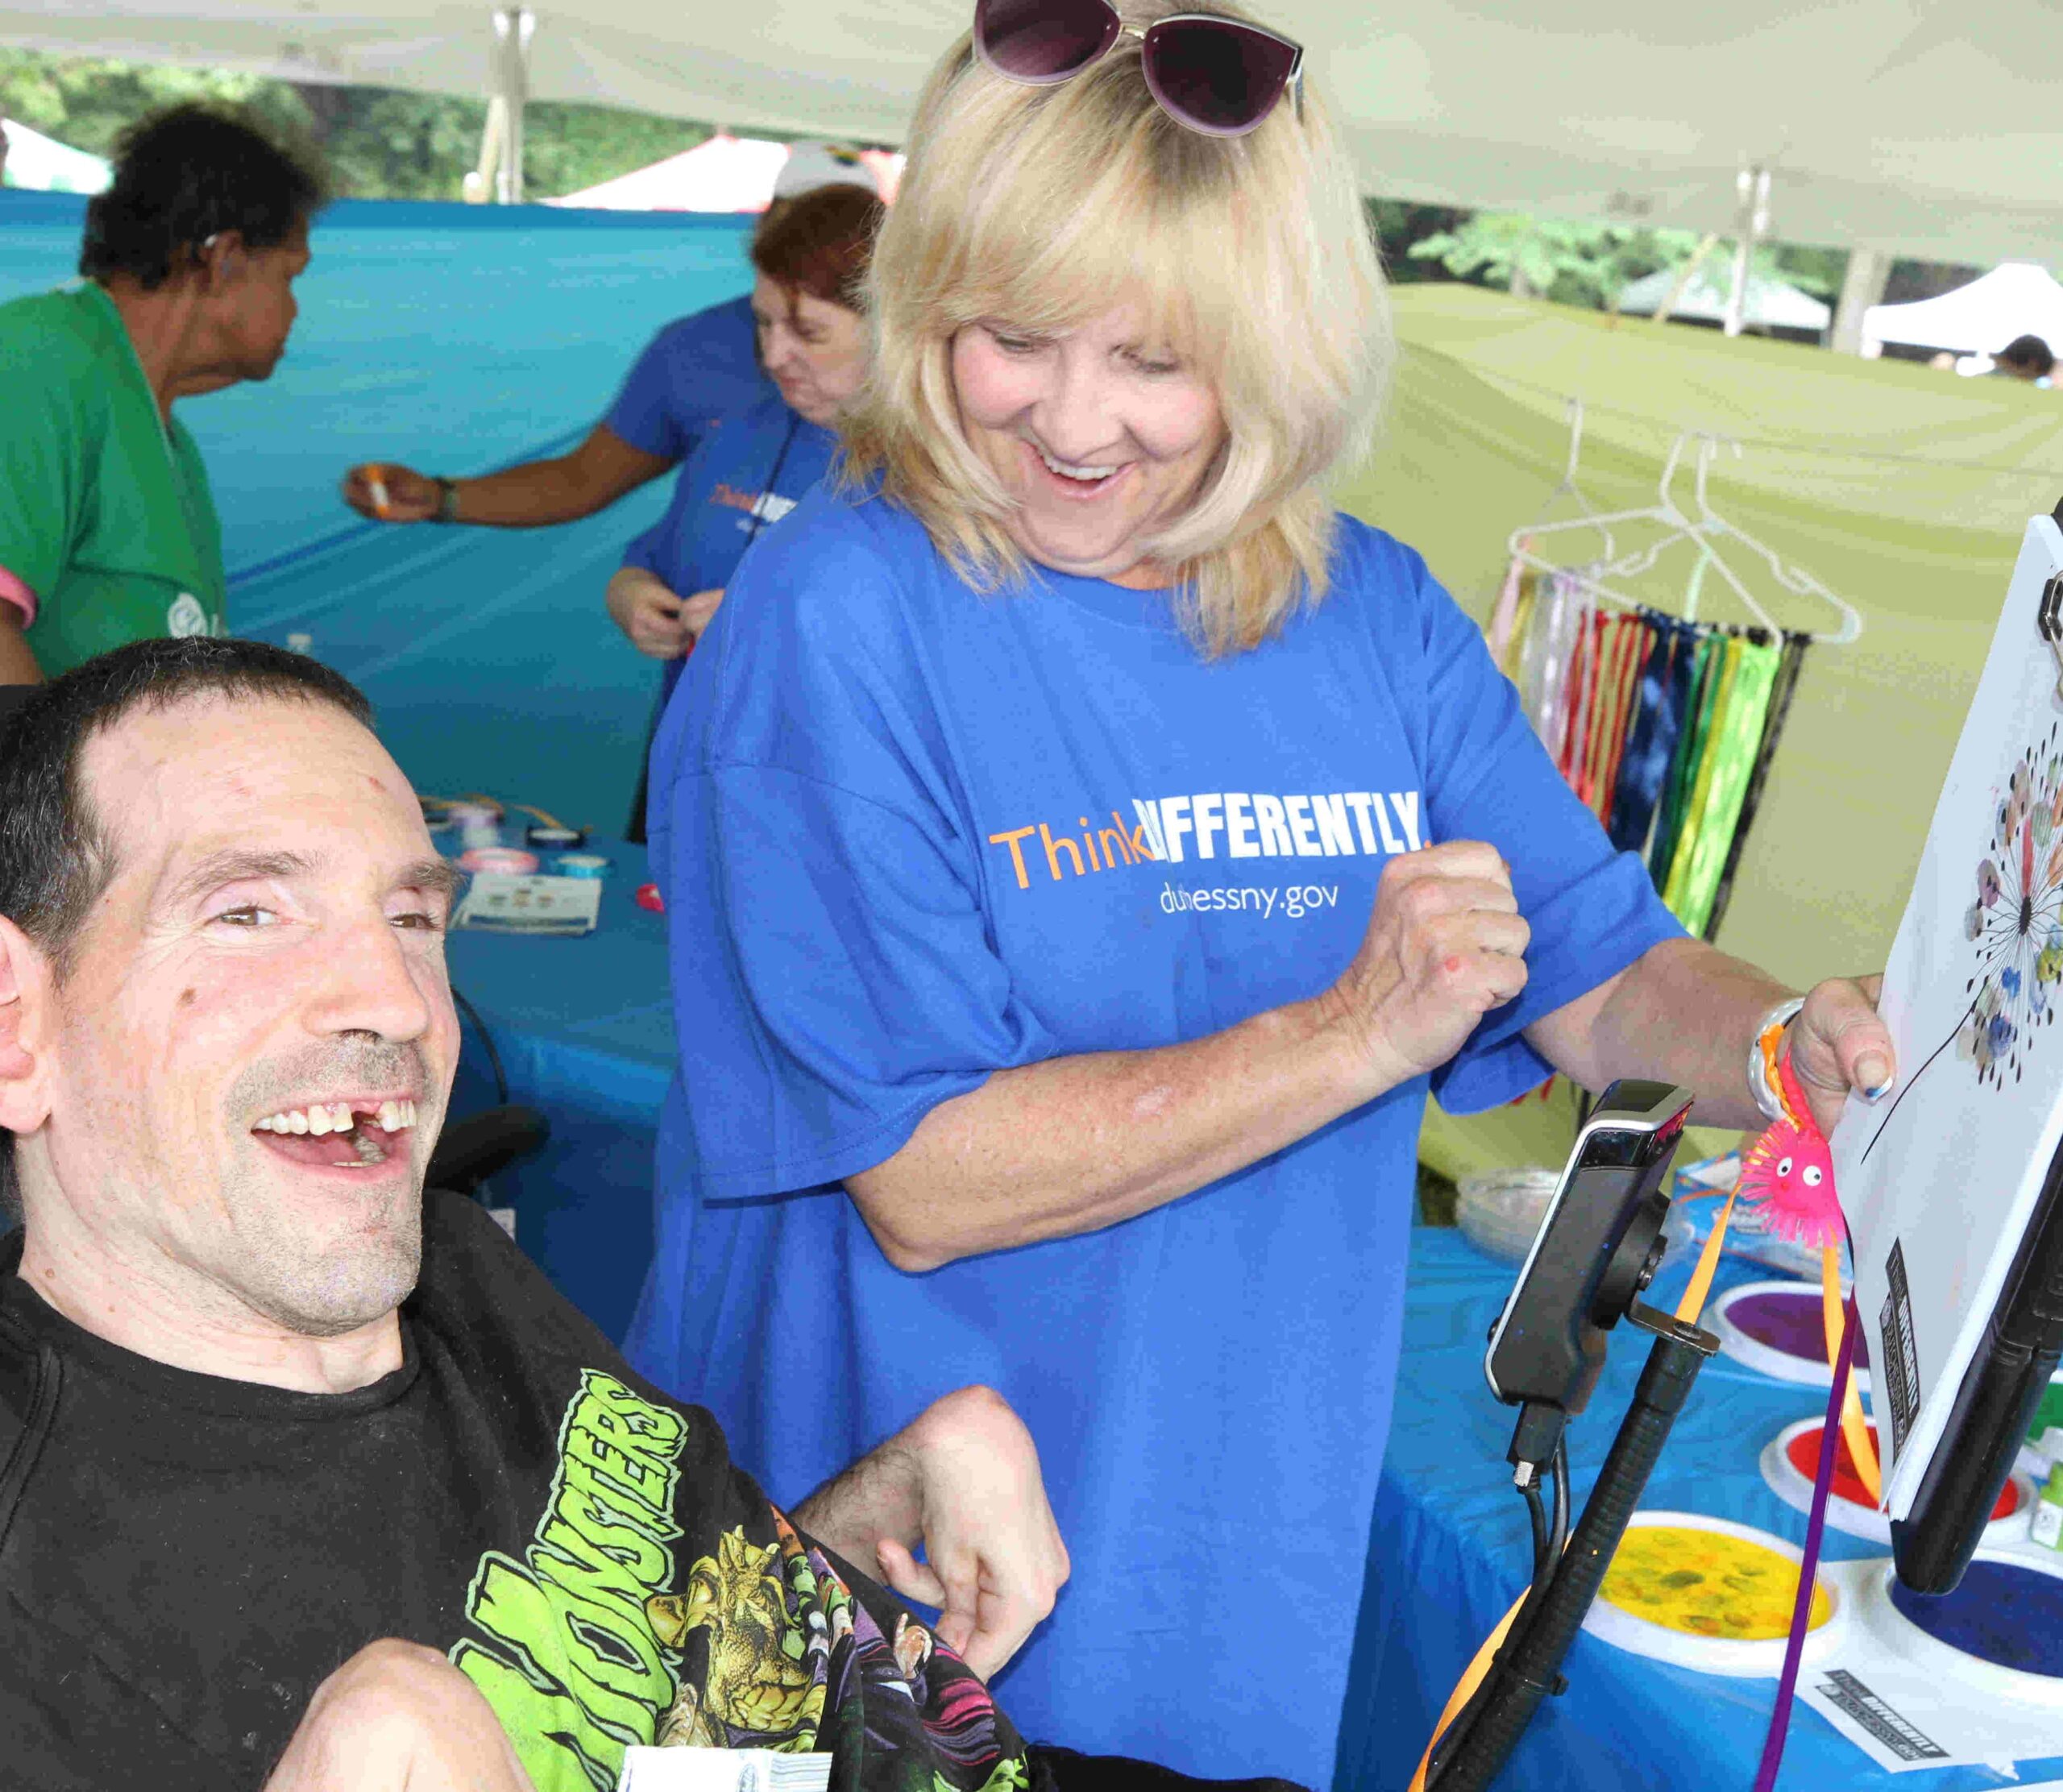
1809,1569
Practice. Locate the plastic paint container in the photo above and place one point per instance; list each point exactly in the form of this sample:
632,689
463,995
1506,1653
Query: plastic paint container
581,864
548,839
1791,1459
478,825
2000,1633
509,861
1777,1327
1708,1594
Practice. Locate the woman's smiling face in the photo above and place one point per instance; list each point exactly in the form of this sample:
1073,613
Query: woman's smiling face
1102,437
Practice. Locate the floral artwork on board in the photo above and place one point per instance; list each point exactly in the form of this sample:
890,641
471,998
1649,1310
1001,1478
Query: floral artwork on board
2016,921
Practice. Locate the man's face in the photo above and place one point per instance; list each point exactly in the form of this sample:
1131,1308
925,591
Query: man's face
255,307
270,949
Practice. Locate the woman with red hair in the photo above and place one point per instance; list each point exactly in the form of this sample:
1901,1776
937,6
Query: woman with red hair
753,465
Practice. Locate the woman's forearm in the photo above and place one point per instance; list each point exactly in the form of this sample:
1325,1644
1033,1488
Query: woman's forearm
1077,1143
1683,1013
541,492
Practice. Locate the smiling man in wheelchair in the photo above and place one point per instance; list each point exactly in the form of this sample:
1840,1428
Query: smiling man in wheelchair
309,1479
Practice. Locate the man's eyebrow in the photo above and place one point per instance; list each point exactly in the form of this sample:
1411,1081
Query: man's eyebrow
433,875
234,865
237,864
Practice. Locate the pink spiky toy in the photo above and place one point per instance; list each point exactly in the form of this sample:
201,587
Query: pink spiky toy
1788,1172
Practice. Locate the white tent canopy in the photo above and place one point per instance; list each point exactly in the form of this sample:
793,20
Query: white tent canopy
724,174
43,164
1930,130
1771,303
1981,318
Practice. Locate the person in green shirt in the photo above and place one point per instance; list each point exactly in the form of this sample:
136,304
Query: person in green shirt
108,531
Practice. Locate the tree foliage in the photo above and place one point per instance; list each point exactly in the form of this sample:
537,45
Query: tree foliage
1591,264
379,143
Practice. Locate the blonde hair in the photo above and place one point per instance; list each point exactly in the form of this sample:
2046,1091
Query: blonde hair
1252,257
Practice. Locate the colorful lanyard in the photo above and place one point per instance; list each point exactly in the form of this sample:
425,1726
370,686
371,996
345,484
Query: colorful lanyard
1781,692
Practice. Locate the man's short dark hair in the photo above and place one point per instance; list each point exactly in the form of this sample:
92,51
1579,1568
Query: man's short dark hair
189,173
55,858
2031,352
54,855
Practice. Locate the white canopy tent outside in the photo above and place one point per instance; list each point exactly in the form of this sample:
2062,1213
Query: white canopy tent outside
43,164
725,174
2018,299
1771,304
1929,129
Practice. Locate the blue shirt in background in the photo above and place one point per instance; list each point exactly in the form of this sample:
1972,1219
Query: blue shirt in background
749,470
696,370
909,835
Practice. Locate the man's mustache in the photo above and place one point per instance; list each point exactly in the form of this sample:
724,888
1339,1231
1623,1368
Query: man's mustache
331,1067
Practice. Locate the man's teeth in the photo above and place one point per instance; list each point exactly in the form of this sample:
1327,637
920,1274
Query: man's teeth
322,1118
1068,470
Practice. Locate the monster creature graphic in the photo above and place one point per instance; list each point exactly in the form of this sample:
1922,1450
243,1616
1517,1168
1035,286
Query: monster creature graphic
768,1646
795,1664
2017,920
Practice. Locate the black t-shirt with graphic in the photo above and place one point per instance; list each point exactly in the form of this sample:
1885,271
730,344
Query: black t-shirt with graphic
184,1559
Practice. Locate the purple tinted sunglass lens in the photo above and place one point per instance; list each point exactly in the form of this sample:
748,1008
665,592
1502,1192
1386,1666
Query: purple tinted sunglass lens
1215,76
1043,40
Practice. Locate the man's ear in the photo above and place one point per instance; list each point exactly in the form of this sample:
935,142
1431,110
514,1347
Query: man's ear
221,259
26,992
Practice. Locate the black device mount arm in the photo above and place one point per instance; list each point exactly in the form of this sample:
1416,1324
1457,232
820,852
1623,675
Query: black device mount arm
1527,1666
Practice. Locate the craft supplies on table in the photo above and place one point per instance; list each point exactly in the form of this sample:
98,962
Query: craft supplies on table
1501,1210
505,860
562,906
1706,1593
1778,1327
1971,1677
1791,1458
555,837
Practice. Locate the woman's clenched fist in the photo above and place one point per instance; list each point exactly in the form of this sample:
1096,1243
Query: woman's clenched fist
1445,945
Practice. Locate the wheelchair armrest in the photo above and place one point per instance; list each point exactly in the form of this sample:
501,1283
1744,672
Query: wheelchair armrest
470,1150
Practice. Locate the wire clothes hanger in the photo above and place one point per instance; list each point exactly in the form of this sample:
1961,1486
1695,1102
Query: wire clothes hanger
1566,487
1704,530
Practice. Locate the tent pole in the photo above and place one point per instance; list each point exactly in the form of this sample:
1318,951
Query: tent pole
1869,272
1684,276
508,83
1753,185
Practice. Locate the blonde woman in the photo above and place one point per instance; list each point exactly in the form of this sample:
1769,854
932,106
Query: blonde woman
1085,850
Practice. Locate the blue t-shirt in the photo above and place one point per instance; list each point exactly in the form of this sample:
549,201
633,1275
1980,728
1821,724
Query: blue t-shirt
749,470
909,834
697,369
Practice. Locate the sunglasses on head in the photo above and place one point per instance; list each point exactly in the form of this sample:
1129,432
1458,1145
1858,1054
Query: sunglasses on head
1221,77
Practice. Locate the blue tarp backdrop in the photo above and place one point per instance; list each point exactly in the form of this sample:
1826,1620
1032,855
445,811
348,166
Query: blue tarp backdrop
455,339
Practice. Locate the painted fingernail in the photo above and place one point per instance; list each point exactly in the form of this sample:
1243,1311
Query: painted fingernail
1873,1076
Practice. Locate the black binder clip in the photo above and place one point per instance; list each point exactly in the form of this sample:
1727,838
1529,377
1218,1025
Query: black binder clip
2049,619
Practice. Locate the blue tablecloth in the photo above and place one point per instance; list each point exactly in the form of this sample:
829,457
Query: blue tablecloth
584,1030
1449,1553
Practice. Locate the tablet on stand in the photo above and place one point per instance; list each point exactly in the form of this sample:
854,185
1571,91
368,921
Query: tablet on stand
1952,1183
